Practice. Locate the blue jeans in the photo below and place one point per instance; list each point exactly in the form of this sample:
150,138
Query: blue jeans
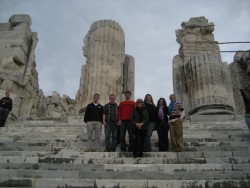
126,126
111,134
149,131
247,119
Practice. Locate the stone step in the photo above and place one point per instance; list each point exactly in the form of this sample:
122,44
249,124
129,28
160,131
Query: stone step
73,134
186,126
22,146
118,165
74,159
65,153
51,154
108,183
121,160
82,143
131,175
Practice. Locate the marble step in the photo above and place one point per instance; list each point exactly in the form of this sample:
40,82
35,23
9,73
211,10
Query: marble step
139,164
51,154
122,160
59,146
76,133
8,160
131,175
187,124
82,142
112,183
66,153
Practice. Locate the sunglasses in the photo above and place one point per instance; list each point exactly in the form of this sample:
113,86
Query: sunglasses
139,102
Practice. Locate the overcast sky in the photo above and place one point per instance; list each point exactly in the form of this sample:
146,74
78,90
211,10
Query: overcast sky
149,27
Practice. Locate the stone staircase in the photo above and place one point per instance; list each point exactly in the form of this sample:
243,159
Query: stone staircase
50,154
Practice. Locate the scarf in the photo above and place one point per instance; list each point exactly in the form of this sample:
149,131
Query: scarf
160,113
171,105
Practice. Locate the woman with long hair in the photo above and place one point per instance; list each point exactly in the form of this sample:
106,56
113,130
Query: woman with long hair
151,108
162,124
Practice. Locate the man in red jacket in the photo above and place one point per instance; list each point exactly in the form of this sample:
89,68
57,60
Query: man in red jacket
124,120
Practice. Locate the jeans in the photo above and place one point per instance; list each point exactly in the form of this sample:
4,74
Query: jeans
162,130
111,134
126,126
149,131
247,120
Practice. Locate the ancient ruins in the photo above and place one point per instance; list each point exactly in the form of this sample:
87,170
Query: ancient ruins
42,150
201,80
108,69
239,70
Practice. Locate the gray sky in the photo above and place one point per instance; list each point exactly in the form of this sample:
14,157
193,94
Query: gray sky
149,27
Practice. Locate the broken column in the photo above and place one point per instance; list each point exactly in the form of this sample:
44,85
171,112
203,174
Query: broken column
201,80
107,70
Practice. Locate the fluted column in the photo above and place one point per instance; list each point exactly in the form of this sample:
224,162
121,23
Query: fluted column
201,80
104,49
240,69
206,79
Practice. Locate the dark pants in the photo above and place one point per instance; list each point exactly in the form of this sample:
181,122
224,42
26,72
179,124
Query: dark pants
139,136
3,116
149,131
162,131
126,126
111,135
118,135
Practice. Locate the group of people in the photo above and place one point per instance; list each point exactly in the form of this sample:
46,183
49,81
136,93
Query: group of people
137,118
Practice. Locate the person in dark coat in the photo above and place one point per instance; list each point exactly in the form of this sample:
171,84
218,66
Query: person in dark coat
5,108
162,124
247,107
93,119
139,120
151,108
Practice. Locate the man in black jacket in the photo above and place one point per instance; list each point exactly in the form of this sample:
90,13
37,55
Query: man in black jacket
93,119
5,108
